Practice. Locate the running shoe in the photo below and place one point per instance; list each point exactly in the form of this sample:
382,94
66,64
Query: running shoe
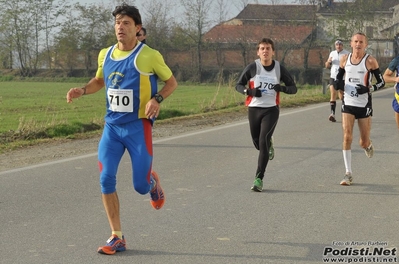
370,150
332,118
271,150
114,244
157,196
258,185
348,179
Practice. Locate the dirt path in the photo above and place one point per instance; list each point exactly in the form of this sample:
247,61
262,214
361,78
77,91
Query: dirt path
65,148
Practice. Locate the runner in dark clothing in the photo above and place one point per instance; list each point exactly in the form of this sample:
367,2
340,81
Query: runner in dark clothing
263,97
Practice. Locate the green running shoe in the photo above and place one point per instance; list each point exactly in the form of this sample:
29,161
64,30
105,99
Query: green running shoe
258,185
271,150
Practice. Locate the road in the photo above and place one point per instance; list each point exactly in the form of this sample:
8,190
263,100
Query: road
52,212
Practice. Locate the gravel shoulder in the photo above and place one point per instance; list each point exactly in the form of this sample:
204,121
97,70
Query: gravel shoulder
65,148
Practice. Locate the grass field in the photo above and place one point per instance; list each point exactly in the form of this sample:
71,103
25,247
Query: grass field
32,110
35,106
39,105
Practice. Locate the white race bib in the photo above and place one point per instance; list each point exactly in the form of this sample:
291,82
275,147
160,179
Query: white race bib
120,100
266,84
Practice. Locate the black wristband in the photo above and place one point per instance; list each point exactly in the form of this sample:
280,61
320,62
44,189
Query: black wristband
158,98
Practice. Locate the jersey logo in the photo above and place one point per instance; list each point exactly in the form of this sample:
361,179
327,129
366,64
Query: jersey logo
115,77
354,80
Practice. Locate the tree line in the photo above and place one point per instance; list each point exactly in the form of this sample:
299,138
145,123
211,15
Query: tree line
58,34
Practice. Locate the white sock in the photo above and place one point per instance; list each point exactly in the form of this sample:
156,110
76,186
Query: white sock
118,233
348,160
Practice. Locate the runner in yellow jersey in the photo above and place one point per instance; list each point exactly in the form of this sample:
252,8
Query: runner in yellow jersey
129,70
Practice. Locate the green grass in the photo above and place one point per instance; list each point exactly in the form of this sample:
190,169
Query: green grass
36,106
38,110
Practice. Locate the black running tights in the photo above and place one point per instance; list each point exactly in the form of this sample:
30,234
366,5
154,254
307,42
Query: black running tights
262,122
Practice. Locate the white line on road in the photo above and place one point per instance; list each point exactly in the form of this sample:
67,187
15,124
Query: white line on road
287,111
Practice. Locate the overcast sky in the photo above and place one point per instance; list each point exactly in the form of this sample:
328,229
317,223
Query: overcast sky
232,12
138,1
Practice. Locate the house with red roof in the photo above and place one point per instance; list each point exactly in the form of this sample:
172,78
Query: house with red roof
304,35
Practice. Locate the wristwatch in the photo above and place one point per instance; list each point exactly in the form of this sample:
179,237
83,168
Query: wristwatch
158,98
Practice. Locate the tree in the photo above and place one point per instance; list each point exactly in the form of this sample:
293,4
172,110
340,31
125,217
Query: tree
311,41
86,30
50,12
221,6
6,46
196,22
29,23
95,23
17,18
222,10
158,23
66,44
241,4
367,16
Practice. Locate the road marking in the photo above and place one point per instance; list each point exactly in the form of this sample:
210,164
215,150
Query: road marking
288,111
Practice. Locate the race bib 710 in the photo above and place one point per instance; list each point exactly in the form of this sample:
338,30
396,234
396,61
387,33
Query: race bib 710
120,100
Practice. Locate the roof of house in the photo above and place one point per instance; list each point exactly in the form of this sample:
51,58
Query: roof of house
248,27
254,33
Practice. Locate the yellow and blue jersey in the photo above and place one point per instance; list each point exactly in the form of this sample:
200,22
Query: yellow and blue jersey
131,80
394,67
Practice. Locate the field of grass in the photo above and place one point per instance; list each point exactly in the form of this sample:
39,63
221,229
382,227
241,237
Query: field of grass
34,110
36,106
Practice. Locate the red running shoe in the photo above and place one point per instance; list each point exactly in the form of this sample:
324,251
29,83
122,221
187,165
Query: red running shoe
114,244
157,196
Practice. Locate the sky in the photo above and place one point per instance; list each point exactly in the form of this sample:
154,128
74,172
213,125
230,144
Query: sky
110,1
231,14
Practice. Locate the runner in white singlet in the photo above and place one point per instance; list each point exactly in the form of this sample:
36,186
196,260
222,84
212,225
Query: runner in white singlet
357,67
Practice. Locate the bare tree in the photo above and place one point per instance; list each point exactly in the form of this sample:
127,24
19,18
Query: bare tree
66,44
50,12
241,4
6,45
358,16
21,21
96,23
312,38
196,23
30,22
222,10
158,22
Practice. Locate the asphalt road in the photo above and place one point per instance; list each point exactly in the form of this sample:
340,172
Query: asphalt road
52,212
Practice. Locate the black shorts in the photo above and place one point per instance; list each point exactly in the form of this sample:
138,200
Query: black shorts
358,112
331,82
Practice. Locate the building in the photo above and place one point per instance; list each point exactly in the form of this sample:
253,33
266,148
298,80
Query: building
304,35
